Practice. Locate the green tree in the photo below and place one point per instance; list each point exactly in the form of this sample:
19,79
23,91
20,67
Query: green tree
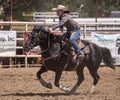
88,8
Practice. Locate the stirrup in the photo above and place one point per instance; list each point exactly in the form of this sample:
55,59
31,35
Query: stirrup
81,57
64,52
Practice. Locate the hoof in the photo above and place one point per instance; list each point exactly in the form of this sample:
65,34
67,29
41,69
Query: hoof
71,92
92,89
64,88
67,90
49,85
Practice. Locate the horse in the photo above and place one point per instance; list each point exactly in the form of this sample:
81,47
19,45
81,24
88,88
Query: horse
59,59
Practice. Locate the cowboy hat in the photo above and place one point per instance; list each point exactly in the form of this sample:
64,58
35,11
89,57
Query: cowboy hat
60,7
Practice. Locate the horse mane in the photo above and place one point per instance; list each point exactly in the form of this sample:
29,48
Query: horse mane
54,40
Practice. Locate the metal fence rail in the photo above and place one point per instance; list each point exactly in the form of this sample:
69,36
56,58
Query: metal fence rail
86,28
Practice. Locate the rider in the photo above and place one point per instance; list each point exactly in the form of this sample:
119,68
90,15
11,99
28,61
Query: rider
73,29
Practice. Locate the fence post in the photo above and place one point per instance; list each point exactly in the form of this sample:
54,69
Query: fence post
26,27
10,62
84,31
25,61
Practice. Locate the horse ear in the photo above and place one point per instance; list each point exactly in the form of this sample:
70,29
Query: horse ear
36,29
45,28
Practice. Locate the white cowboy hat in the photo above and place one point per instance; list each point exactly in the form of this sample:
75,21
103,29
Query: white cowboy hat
60,7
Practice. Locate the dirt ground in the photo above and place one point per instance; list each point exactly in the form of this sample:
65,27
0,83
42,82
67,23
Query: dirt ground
22,84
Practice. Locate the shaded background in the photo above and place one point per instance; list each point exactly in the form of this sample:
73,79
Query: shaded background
23,10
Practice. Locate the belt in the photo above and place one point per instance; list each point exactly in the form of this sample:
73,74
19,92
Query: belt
75,30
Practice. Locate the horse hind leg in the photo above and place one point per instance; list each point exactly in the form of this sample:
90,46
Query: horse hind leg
42,81
96,78
80,75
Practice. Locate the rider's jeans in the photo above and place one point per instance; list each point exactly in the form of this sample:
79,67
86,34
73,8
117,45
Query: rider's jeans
73,39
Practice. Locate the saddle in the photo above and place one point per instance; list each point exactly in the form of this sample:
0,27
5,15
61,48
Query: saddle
73,53
83,47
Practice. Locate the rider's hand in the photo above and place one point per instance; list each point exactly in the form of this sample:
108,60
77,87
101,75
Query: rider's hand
50,30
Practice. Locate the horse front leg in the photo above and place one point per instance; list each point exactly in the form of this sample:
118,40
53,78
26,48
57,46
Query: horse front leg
42,81
57,79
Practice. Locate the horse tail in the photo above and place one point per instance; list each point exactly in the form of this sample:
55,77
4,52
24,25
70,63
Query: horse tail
107,57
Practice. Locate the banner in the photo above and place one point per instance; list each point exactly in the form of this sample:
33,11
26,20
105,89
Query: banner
111,41
7,43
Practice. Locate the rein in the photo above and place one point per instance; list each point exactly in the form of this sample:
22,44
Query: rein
48,43
42,51
48,58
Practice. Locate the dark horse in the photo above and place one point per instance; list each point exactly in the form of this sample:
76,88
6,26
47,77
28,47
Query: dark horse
58,60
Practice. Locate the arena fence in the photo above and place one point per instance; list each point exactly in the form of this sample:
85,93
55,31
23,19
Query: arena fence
22,27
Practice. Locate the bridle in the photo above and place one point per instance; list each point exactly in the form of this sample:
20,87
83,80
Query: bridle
45,41
39,40
42,51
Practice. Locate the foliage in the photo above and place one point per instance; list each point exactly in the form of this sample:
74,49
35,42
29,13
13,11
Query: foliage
88,8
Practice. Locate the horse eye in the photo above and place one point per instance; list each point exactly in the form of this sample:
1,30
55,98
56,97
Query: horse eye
29,35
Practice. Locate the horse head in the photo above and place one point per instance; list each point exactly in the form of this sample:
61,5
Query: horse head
39,36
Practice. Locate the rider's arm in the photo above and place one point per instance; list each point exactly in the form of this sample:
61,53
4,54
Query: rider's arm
62,22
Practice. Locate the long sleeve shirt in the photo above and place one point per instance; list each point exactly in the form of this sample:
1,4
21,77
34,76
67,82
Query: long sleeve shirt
68,22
